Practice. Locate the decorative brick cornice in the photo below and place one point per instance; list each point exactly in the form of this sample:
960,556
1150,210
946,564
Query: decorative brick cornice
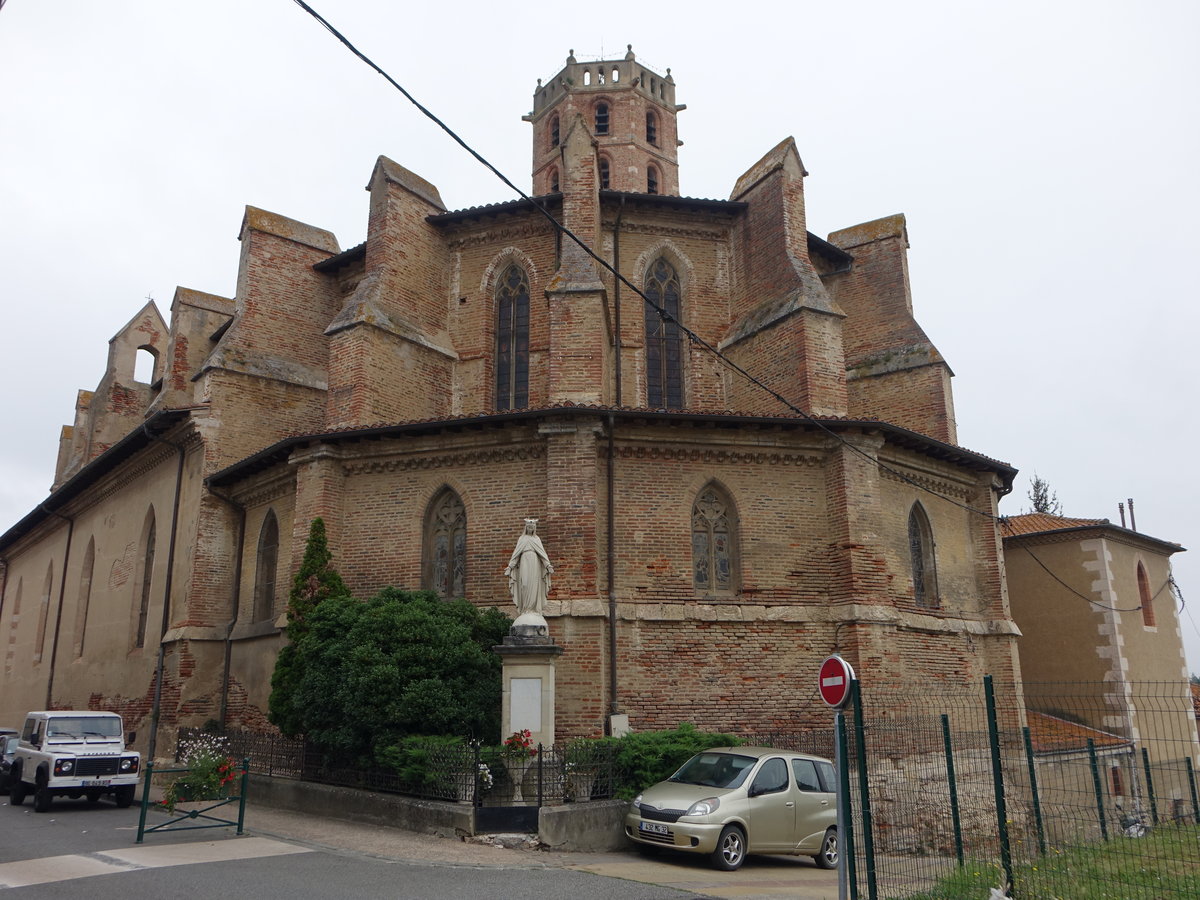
412,461
711,455
937,485
501,235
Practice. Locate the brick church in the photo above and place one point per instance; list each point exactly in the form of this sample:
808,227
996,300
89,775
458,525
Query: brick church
460,370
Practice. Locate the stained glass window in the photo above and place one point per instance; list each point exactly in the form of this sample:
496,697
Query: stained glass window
920,549
664,350
713,539
512,339
264,575
446,546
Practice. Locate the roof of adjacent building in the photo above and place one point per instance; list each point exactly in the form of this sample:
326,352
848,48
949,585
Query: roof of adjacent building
1015,527
1051,734
1196,699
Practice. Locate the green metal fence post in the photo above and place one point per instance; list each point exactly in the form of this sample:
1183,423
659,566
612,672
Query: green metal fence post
1191,773
998,783
845,815
241,823
1033,790
1099,791
860,740
145,801
1150,785
954,813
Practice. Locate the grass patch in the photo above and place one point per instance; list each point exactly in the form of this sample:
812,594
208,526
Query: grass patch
1164,864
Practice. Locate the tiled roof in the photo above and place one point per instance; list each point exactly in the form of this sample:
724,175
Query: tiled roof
1196,699
1033,523
1050,734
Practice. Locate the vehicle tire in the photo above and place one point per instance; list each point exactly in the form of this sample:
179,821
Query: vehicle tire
16,795
124,795
731,849
828,857
42,798
93,796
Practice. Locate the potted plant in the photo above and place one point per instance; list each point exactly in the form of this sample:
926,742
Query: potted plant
581,766
518,752
209,770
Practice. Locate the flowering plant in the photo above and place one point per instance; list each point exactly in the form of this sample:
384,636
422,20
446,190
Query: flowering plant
209,769
485,777
519,744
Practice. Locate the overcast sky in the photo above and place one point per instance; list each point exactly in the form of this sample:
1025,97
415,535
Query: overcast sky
1044,153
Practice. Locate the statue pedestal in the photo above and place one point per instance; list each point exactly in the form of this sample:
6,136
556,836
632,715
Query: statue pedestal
527,700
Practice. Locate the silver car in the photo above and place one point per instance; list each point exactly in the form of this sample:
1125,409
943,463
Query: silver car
730,801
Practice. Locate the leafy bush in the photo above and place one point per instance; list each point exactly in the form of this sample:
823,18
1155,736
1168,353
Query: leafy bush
403,663
418,758
647,757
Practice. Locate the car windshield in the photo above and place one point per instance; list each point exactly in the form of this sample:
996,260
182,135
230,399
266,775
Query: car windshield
720,770
77,728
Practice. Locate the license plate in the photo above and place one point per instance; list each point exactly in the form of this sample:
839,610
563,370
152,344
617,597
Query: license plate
97,783
653,828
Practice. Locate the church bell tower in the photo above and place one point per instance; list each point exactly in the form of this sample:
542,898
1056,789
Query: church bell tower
630,113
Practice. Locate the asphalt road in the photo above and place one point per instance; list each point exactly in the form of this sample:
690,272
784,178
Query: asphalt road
81,850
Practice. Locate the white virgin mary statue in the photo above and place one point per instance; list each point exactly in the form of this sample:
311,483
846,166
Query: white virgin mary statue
529,573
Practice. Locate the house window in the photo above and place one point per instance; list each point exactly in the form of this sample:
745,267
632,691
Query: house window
920,549
651,180
604,173
512,339
713,543
265,566
652,128
147,577
1118,782
446,546
85,596
554,135
664,353
601,118
39,645
1146,600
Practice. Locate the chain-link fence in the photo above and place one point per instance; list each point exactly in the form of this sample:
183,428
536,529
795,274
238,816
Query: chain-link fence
1052,790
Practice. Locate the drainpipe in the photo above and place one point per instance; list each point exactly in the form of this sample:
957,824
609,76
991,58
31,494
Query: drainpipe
62,585
156,709
613,706
237,599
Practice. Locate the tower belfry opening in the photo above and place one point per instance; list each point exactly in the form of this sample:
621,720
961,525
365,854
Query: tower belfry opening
628,110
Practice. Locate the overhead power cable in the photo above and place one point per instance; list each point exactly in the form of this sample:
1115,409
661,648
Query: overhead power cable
1168,583
663,314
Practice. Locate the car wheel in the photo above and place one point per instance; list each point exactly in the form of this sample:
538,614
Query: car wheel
731,849
17,794
42,798
124,795
828,857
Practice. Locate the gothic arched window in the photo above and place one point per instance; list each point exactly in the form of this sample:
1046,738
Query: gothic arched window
651,128
1144,597
512,339
920,549
85,596
601,118
554,185
265,566
664,350
714,543
554,133
445,562
39,646
148,539
605,173
651,180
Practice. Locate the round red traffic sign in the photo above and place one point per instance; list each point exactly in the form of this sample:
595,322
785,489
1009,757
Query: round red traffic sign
834,681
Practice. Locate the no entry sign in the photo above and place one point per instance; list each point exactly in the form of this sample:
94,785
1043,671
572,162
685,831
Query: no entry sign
834,681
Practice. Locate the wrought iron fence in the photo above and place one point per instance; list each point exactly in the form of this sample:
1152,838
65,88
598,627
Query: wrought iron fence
1054,790
484,776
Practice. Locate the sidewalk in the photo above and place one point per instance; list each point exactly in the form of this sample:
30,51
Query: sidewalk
761,878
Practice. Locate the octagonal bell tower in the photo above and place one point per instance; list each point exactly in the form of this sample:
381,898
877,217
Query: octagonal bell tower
629,111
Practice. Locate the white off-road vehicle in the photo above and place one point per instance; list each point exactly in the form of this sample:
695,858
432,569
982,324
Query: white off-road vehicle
73,753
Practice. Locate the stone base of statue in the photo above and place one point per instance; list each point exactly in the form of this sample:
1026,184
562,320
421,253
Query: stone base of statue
528,655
